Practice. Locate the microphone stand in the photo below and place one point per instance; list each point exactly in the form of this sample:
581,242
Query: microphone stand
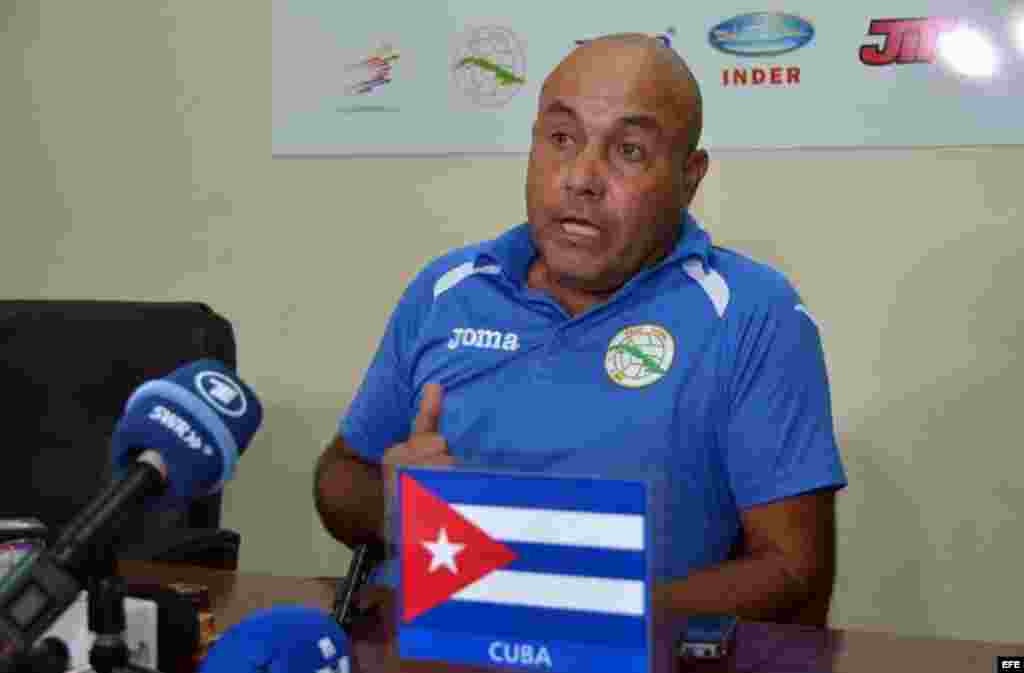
43,584
109,652
50,655
106,619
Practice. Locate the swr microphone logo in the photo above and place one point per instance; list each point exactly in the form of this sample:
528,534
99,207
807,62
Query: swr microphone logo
221,393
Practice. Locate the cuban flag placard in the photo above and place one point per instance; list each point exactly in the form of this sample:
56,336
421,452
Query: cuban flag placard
523,571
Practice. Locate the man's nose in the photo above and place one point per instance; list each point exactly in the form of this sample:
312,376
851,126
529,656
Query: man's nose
586,174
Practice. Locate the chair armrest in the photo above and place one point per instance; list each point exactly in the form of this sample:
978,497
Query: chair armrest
215,548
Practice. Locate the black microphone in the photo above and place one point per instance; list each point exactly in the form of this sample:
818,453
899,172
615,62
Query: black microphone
145,479
180,437
364,558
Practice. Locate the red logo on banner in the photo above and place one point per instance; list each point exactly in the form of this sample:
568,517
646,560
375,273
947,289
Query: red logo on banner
443,552
906,40
773,76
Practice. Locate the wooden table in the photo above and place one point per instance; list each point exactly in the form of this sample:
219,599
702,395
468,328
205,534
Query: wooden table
760,647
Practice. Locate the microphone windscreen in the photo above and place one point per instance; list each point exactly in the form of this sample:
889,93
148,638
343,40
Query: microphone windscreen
282,639
210,385
200,418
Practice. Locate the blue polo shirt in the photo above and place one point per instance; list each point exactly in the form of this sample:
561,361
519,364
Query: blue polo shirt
703,375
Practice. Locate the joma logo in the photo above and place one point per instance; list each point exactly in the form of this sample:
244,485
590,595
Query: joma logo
483,338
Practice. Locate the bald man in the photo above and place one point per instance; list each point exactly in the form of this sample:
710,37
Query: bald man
608,336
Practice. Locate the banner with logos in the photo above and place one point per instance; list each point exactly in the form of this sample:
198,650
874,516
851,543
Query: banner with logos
453,77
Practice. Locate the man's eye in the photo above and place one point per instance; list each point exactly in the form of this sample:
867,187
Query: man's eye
632,152
560,139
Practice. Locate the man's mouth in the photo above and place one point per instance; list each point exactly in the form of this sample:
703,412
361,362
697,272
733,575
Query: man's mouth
577,227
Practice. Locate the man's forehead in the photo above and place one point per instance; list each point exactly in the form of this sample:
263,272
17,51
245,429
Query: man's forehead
620,76
604,111
611,103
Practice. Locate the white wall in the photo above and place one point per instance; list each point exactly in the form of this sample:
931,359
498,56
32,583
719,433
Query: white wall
136,164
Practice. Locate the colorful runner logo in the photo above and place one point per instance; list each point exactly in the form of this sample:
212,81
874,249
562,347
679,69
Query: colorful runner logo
371,72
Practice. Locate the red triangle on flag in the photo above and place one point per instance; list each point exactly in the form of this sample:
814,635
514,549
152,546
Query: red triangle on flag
436,539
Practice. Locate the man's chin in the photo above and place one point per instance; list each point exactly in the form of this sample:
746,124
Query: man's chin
575,267
580,278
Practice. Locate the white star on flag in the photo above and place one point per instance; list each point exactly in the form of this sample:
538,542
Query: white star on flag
442,552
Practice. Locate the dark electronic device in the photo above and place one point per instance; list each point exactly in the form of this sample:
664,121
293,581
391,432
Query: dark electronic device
708,637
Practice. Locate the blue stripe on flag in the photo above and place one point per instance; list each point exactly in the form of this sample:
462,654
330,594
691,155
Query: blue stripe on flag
566,657
584,561
601,496
520,623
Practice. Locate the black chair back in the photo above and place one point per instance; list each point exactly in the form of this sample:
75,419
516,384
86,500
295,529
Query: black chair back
67,368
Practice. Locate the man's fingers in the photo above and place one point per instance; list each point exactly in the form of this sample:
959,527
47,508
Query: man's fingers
433,456
429,459
429,417
441,459
419,448
419,451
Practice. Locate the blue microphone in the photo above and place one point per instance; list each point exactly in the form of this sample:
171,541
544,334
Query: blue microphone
282,639
199,419
179,438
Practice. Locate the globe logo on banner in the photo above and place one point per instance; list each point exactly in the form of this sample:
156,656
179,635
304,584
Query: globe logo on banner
489,65
761,34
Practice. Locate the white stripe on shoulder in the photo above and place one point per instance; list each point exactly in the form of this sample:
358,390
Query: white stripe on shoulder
712,282
460,273
800,308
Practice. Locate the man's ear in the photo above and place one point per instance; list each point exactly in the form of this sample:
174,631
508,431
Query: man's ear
694,170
